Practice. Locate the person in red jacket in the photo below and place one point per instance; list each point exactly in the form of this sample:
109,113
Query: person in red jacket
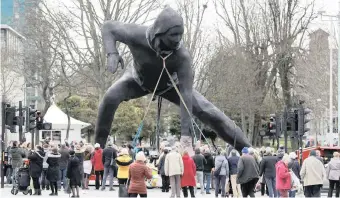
283,179
188,178
98,164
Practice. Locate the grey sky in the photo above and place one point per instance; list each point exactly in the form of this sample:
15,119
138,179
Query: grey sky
210,18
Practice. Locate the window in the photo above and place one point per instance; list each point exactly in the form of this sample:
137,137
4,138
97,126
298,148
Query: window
45,134
56,136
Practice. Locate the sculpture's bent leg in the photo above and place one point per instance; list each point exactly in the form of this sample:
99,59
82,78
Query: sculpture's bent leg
122,90
214,118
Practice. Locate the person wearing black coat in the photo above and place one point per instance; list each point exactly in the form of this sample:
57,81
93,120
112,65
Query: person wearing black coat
165,179
74,174
268,170
79,153
53,170
209,164
36,167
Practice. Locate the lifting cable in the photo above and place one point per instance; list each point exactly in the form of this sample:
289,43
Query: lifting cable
140,127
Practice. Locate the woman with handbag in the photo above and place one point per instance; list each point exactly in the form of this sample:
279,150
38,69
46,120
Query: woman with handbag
221,173
283,177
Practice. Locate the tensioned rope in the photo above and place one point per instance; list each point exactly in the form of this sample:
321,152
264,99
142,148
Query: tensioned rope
185,105
193,122
140,127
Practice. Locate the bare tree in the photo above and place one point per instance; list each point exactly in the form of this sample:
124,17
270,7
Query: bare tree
41,67
10,80
289,21
78,25
195,38
250,52
263,34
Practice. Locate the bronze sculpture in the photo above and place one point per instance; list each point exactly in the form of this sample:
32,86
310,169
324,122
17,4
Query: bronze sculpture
151,47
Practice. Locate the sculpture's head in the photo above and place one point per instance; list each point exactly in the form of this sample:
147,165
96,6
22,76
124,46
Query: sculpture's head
167,30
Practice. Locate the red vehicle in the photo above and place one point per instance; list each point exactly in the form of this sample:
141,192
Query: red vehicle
325,151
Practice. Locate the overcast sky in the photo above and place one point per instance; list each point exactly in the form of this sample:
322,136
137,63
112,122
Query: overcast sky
331,7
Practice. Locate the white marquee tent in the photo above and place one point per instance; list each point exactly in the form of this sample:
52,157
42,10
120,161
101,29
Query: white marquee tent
59,122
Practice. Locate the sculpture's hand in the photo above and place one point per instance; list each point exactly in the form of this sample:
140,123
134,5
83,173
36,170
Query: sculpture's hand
113,60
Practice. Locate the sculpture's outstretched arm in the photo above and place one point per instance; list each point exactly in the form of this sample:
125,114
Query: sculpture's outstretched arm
113,31
129,34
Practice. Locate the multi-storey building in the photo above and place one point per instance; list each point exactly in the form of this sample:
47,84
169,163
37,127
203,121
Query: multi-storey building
13,20
313,83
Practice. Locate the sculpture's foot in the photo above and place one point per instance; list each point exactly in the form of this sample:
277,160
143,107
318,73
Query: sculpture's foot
186,144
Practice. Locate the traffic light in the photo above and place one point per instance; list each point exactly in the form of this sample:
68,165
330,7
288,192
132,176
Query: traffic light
10,118
272,124
302,120
47,126
10,115
31,119
39,120
292,121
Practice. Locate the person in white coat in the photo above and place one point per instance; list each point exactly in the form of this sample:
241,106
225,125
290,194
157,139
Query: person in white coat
312,173
173,167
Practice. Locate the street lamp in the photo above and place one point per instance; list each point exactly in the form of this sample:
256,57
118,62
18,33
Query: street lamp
322,13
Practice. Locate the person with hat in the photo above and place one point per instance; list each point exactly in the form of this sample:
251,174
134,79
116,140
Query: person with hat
312,173
109,162
74,174
79,153
247,173
123,161
97,162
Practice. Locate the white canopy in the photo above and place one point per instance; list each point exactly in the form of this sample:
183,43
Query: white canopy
55,116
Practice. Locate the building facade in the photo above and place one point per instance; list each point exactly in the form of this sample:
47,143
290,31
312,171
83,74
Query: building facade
313,85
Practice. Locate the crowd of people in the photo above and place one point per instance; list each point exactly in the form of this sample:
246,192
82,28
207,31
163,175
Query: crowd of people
68,167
